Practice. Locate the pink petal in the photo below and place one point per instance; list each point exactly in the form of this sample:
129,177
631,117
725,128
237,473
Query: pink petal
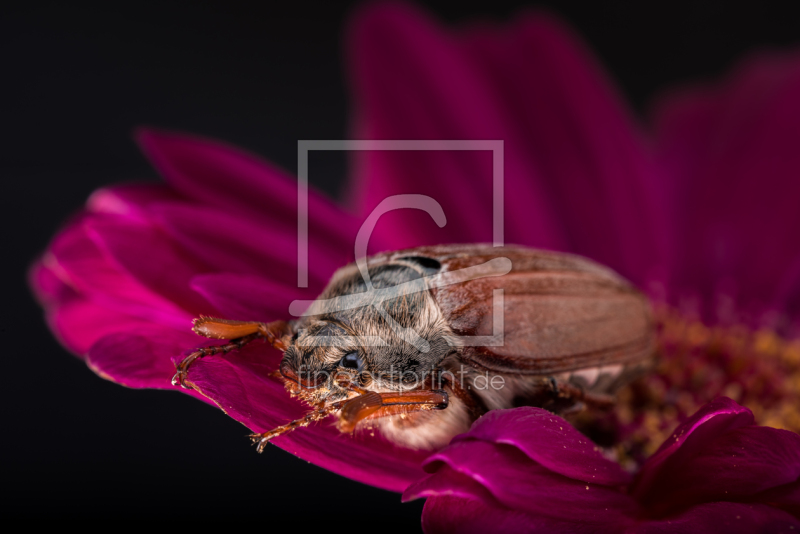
576,175
447,481
152,259
142,357
413,81
131,200
712,420
245,298
727,517
229,242
735,466
550,441
77,261
519,483
50,290
450,514
220,175
240,384
79,323
786,497
580,139
732,149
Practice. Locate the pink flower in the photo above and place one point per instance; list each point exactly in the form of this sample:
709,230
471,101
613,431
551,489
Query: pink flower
526,469
122,282
702,213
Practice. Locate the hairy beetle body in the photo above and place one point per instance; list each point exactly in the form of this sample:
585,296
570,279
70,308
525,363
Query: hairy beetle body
419,343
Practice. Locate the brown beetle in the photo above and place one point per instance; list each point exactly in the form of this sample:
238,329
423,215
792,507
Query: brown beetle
419,343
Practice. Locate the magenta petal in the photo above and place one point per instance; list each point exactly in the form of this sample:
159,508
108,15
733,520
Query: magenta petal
141,357
246,298
576,174
240,384
249,298
101,299
786,497
149,256
580,138
458,515
519,483
451,482
229,242
732,148
727,517
220,175
735,466
79,323
413,81
130,200
77,260
50,290
550,441
712,420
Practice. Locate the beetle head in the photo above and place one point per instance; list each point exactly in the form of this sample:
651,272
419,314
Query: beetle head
371,342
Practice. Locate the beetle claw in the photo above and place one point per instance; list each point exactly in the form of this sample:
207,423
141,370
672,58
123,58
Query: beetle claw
261,440
180,378
182,369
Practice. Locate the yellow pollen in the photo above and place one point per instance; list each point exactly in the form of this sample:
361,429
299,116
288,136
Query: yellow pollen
697,363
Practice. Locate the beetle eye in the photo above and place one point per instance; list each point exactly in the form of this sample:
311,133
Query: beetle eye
351,360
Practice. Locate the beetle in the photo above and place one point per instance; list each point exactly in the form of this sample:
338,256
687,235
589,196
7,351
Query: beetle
419,343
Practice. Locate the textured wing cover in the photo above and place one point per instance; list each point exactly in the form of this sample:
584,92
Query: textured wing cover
561,312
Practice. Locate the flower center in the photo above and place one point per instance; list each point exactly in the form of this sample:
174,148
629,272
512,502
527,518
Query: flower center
696,364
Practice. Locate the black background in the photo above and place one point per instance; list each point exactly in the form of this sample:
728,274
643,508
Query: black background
77,78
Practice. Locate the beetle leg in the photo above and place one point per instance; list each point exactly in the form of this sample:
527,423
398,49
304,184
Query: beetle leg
600,400
225,329
356,410
565,390
359,408
553,383
183,368
321,412
576,408
239,332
